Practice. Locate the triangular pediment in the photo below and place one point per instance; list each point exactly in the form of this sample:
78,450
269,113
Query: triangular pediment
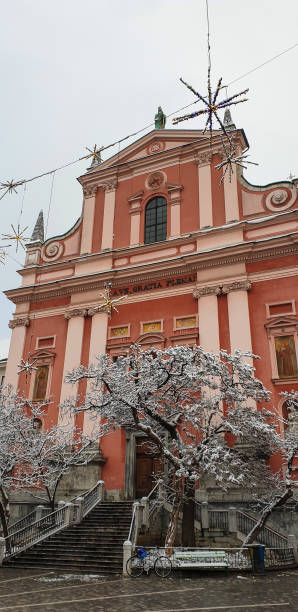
282,321
156,142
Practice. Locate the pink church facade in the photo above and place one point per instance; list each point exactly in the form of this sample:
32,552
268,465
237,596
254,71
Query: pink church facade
198,262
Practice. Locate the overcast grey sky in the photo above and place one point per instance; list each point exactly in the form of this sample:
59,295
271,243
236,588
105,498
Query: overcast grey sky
77,73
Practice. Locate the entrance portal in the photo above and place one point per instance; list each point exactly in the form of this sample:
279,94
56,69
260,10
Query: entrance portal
148,467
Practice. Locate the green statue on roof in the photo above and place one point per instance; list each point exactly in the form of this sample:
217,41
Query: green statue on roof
160,119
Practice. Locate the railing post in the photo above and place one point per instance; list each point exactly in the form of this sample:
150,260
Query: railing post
79,503
101,490
39,512
292,543
145,511
204,515
127,552
232,520
68,516
61,504
2,549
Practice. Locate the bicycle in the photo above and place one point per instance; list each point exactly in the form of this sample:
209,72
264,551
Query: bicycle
144,562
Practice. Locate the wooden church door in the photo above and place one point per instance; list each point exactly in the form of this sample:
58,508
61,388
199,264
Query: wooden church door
148,466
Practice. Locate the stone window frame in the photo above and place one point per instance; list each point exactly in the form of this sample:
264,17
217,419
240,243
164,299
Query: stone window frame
270,315
43,357
286,325
50,346
175,328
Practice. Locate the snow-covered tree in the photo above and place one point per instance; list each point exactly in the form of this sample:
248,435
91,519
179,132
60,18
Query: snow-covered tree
46,456
284,481
15,416
36,459
204,413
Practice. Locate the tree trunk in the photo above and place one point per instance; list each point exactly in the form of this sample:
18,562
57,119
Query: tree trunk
188,521
172,528
275,503
4,526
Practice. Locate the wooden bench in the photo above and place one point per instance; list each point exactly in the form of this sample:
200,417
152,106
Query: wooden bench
200,559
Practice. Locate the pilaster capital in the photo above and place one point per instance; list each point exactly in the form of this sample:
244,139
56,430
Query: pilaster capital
236,286
93,310
75,312
134,202
110,184
19,322
203,159
203,291
90,191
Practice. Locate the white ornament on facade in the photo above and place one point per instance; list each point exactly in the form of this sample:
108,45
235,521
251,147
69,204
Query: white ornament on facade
280,199
203,291
76,312
19,322
155,180
236,286
52,251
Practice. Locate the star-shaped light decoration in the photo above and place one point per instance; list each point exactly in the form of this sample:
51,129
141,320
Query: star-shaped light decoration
3,254
17,235
95,154
232,158
109,305
10,187
212,106
27,366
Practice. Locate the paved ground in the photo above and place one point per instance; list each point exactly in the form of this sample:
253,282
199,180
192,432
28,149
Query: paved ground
27,590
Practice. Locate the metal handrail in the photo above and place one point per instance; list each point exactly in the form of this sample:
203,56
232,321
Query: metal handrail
37,531
132,525
48,525
266,533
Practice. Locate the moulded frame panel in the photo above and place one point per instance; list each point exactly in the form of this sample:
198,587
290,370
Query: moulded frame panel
279,314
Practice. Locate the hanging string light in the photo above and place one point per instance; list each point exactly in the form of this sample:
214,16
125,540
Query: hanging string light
108,303
10,186
231,158
18,236
27,367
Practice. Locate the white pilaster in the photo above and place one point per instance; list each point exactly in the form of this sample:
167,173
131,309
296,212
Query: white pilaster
109,213
16,349
238,313
205,192
98,343
208,318
231,196
88,219
174,192
73,350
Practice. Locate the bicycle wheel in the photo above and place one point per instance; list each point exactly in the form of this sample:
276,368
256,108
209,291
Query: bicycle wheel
134,566
163,566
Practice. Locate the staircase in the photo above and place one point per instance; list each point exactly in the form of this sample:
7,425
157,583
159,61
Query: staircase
95,545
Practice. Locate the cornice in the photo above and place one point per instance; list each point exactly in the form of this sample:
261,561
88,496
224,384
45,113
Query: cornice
246,224
245,252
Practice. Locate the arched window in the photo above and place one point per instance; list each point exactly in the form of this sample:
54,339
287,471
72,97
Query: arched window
156,220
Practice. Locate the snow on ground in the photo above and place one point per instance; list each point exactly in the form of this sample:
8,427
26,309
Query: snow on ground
66,577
